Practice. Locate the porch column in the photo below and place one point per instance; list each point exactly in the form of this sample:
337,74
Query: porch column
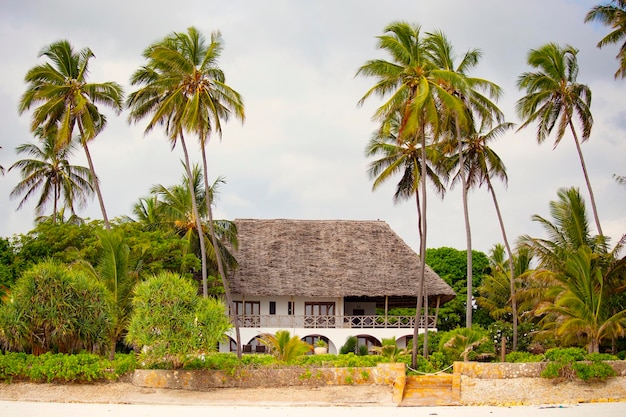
386,309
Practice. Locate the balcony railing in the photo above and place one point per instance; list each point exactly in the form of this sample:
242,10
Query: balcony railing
325,322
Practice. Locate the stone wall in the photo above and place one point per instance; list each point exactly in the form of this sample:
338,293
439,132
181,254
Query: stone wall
203,380
521,384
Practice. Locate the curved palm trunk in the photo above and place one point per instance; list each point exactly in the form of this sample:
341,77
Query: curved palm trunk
96,186
422,218
194,208
584,166
56,200
96,183
218,257
511,266
468,232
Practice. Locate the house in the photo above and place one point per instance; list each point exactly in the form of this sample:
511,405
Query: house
327,279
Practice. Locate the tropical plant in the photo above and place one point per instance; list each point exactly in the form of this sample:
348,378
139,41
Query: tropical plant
555,98
389,349
169,207
613,15
48,171
285,347
171,323
67,101
578,290
119,274
581,302
462,342
52,308
566,233
413,85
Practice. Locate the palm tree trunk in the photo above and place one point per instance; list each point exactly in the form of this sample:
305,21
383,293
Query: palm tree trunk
511,266
422,277
194,208
96,186
584,166
218,256
468,232
56,200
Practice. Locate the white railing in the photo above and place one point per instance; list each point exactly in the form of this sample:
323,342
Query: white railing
325,322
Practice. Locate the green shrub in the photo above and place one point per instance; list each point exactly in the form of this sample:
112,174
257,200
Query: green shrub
54,308
171,324
350,346
593,370
523,357
59,367
571,354
599,357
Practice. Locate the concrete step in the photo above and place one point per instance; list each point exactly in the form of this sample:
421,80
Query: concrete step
430,390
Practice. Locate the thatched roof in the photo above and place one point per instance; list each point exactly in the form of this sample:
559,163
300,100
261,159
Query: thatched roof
328,258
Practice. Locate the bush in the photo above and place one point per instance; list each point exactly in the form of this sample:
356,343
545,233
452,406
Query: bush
567,355
522,357
466,344
54,308
569,363
60,367
171,324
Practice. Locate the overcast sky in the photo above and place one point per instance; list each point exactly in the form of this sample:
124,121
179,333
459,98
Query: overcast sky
300,152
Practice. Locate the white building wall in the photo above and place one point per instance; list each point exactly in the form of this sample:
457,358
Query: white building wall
336,336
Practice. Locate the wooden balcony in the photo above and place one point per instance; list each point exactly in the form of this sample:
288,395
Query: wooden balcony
337,322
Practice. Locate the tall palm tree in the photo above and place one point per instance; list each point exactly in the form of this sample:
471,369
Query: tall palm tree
209,101
67,101
476,105
49,172
481,165
612,14
555,98
411,82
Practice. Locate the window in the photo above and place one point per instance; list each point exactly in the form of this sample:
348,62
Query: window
320,314
248,313
272,307
290,308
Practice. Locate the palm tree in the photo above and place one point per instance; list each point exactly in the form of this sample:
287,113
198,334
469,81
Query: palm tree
582,302
67,101
209,102
49,172
482,164
412,83
403,158
567,232
170,207
459,122
612,14
119,273
555,98
580,280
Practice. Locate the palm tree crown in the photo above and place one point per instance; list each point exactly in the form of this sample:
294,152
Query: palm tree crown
612,14
66,100
50,172
554,98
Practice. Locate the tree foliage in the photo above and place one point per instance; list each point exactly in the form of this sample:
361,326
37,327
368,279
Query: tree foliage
53,308
171,323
